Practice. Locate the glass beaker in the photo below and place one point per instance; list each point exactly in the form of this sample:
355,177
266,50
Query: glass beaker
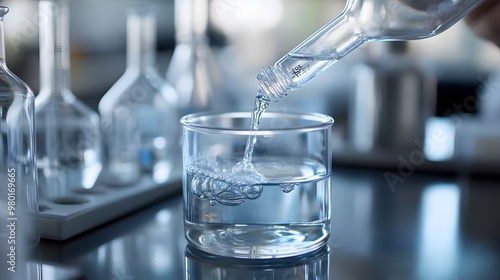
278,208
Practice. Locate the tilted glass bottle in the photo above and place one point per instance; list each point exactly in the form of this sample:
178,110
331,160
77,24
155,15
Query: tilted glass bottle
18,181
192,70
68,132
138,114
361,21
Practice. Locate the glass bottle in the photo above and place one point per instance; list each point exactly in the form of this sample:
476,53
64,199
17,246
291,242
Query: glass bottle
18,180
139,118
361,21
68,132
192,70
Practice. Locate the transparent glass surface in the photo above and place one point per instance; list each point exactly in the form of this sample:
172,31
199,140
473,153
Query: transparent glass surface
277,208
361,21
203,266
18,193
68,133
139,117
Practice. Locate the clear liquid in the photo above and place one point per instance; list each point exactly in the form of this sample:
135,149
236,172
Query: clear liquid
283,213
245,168
261,103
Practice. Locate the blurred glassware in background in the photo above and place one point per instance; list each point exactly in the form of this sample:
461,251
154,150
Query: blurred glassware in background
477,137
68,133
139,118
193,70
18,191
392,99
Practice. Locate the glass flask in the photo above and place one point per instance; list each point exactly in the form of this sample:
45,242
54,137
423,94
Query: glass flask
68,132
18,179
193,70
139,117
361,21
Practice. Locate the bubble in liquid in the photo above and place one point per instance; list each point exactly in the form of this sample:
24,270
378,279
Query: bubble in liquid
220,191
287,187
252,192
195,186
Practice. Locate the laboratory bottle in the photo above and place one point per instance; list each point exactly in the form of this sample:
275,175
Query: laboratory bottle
392,98
359,22
68,132
193,70
18,179
139,117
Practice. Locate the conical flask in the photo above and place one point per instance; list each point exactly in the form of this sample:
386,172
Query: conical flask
68,132
18,181
193,71
138,114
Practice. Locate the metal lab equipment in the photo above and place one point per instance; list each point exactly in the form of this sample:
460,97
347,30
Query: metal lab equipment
393,98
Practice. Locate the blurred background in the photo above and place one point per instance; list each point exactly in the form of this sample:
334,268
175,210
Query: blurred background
245,36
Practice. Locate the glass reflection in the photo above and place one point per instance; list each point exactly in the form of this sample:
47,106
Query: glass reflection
150,251
438,246
200,266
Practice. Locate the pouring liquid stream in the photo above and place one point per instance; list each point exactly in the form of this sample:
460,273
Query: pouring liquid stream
261,103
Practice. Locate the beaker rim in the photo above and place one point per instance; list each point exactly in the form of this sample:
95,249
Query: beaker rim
309,122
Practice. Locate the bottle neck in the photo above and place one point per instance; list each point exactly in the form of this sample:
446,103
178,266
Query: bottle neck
191,20
141,39
2,41
54,48
183,21
326,46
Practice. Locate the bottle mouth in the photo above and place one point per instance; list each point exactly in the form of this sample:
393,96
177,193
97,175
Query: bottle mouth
3,11
271,84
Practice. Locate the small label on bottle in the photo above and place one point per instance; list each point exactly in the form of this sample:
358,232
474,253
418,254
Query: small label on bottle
299,70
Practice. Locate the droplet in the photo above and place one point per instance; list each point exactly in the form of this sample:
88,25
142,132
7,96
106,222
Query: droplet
213,202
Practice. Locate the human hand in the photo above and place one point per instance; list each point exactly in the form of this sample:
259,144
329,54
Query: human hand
485,21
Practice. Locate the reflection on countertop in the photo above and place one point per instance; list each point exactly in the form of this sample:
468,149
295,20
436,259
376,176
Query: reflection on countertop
424,226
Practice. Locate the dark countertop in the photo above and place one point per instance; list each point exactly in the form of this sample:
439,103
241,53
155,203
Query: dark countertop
423,226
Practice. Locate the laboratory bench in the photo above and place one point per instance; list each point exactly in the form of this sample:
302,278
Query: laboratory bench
384,225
